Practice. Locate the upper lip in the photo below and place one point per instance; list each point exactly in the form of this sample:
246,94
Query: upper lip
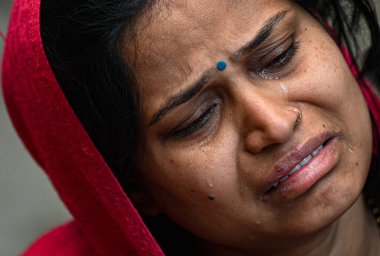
285,165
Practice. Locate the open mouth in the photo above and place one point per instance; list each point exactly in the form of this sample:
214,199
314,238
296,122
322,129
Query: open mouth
304,162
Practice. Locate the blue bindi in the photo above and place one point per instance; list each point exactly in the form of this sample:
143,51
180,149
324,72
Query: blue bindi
221,65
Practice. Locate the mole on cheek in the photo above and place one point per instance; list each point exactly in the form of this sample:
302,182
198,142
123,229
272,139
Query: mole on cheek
211,197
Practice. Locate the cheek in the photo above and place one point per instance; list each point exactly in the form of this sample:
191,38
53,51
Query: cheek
325,81
198,187
332,88
321,74
190,177
331,95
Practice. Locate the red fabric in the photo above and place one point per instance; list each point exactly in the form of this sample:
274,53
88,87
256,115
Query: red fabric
106,223
64,240
56,139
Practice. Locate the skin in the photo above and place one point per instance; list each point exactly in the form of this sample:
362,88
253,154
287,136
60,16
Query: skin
210,181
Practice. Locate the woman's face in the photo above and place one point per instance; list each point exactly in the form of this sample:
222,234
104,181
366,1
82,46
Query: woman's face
216,143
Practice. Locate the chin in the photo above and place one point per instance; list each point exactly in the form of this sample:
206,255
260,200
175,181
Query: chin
319,208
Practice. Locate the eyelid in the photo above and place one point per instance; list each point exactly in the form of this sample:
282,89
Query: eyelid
269,45
200,122
198,111
287,53
268,65
278,49
256,59
189,116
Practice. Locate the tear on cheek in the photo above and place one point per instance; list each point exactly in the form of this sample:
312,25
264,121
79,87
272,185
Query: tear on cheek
284,89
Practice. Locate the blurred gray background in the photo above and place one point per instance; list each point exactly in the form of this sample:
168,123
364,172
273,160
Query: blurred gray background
28,204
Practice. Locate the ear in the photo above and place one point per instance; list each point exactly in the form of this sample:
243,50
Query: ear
141,197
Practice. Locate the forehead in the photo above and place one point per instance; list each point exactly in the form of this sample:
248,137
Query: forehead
176,40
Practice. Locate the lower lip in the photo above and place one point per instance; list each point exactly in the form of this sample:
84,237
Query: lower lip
301,181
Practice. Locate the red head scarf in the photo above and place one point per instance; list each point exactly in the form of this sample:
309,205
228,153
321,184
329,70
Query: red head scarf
54,136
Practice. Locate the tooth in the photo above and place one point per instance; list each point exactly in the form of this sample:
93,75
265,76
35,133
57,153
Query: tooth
317,150
306,160
295,169
284,179
298,167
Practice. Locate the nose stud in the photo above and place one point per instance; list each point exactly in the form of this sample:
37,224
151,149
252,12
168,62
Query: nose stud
299,115
298,112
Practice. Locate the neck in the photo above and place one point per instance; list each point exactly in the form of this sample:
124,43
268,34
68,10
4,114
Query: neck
355,233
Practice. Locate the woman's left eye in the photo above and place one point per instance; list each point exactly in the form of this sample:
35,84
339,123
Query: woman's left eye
274,68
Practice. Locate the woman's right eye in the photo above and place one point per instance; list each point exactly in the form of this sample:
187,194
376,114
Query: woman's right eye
200,122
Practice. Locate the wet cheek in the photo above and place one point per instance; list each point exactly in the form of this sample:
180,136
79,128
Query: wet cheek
195,181
210,176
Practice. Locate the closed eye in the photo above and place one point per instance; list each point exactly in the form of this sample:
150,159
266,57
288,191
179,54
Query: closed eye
205,118
284,57
279,62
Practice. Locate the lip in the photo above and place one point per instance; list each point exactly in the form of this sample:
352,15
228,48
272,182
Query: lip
299,182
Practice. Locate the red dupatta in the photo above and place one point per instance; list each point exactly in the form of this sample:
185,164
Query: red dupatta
103,214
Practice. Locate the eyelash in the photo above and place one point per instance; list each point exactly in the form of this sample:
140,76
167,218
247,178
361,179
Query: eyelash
280,61
199,123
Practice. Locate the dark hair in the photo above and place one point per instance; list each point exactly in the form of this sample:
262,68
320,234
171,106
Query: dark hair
82,41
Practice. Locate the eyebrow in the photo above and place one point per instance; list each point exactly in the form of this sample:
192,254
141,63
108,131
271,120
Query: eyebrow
182,97
261,36
196,87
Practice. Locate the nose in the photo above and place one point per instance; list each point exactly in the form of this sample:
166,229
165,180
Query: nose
267,120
